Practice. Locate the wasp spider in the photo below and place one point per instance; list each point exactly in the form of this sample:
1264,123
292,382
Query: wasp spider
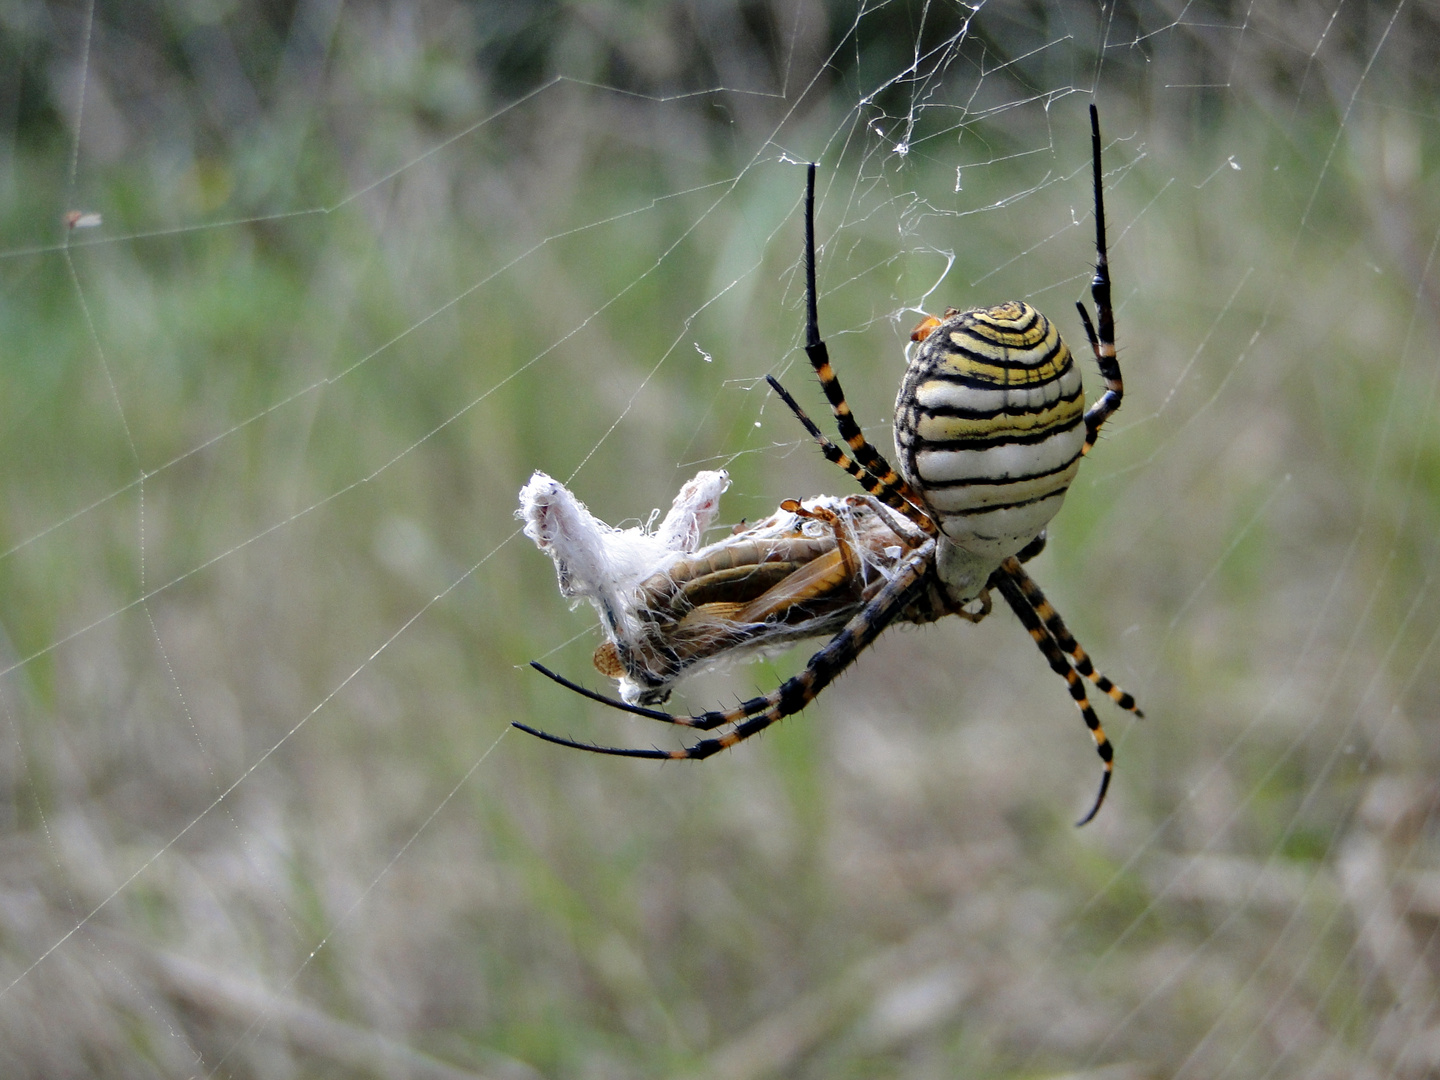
990,427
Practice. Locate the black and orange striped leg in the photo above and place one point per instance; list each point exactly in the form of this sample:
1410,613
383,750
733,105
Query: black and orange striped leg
753,716
869,458
1032,622
896,494
1102,341
1061,633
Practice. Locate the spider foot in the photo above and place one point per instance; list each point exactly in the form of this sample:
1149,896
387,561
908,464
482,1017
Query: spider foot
1099,799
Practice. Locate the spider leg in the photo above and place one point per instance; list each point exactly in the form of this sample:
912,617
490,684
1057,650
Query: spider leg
1103,342
753,716
871,459
1033,548
614,703
897,495
1059,664
980,613
1061,633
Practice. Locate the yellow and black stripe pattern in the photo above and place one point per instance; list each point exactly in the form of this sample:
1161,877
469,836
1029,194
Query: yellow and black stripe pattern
990,425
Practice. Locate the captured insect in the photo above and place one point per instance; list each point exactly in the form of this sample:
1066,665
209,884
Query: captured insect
990,427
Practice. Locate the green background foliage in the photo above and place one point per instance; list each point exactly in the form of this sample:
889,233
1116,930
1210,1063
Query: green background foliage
362,269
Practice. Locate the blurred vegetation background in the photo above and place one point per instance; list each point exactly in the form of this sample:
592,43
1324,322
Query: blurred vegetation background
363,268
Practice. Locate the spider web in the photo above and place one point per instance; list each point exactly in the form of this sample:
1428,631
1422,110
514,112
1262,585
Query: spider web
358,272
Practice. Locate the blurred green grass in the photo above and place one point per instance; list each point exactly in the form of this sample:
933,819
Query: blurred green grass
294,392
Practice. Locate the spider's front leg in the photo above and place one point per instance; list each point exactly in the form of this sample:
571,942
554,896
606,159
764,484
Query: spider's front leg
897,495
1102,343
873,469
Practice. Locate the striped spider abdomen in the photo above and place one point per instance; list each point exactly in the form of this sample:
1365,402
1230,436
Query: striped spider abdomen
989,428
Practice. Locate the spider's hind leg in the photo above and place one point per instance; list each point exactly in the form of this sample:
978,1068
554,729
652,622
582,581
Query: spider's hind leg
1047,614
1006,579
